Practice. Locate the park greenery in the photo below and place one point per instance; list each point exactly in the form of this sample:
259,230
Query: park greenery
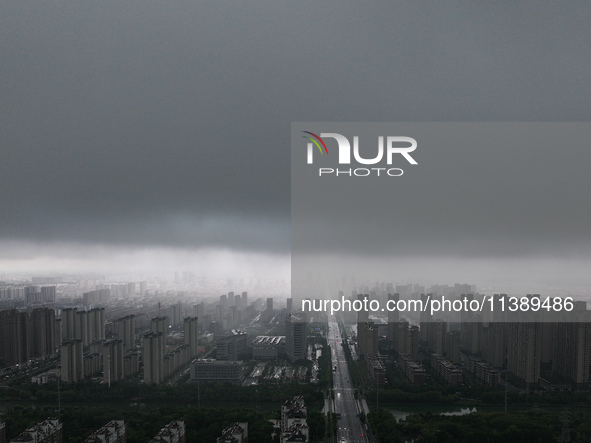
493,427
183,394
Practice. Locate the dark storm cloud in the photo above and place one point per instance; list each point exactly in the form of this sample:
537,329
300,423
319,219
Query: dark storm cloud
478,190
168,122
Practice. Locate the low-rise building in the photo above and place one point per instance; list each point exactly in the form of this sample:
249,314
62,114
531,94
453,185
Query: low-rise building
50,376
377,371
112,432
174,432
483,371
231,346
47,431
235,433
294,426
267,347
414,372
446,369
299,433
217,371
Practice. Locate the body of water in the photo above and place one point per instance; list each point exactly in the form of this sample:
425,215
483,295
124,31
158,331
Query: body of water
401,415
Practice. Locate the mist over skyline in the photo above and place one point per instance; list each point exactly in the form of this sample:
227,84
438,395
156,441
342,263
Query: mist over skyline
156,136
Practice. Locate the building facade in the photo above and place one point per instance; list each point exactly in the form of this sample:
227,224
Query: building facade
112,432
174,432
72,368
295,338
217,371
152,357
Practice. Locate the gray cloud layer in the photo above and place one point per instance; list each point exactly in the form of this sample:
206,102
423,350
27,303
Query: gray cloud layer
479,190
167,123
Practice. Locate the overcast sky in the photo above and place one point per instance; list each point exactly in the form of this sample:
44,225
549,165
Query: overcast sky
163,128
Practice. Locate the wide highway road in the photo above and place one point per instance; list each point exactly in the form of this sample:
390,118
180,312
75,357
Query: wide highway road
349,427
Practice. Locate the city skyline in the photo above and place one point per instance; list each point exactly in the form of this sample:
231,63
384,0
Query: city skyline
179,261
152,139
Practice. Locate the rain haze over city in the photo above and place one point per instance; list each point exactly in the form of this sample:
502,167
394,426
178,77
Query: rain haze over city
155,138
157,210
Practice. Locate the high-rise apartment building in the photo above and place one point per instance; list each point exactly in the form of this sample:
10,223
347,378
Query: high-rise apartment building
219,314
437,334
524,351
32,295
407,339
398,343
71,361
191,335
12,337
48,294
68,324
393,319
125,330
471,334
81,327
289,305
411,341
175,316
159,325
131,364
87,326
96,297
152,356
452,346
425,317
131,288
113,361
572,346
494,347
96,324
367,339
199,310
42,333
363,314
25,336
